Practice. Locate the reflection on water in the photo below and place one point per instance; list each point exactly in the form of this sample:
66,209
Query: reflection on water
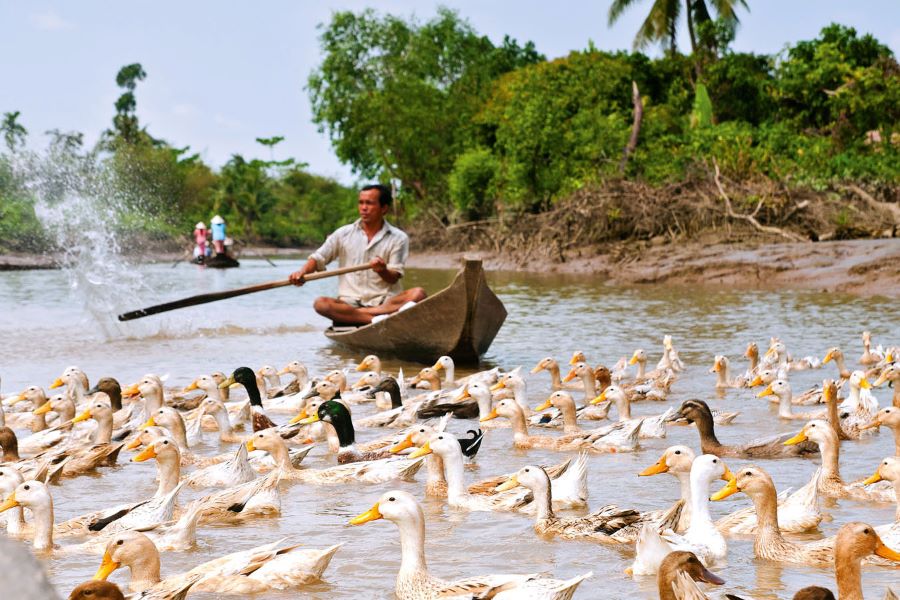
44,328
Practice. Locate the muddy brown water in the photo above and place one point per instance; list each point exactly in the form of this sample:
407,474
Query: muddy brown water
46,325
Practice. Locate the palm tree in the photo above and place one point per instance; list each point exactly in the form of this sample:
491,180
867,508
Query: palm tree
661,23
13,132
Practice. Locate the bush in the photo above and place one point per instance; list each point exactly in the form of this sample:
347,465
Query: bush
472,183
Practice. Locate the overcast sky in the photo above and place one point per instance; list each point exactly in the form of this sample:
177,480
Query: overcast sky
220,74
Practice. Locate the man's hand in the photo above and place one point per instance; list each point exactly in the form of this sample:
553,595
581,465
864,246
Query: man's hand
378,265
297,277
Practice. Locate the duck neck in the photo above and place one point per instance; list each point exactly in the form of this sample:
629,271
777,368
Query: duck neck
144,570
153,401
543,500
66,410
830,448
453,471
331,436
699,500
15,522
767,530
555,379
484,405
722,377
253,394
178,432
450,375
281,456
847,574
435,469
684,482
842,368
521,398
10,446
664,582
39,422
570,418
896,430
221,417
784,405
895,400
412,546
623,407
343,426
641,369
833,418
43,525
168,468
396,400
519,427
754,362
103,435
707,430
434,383
590,385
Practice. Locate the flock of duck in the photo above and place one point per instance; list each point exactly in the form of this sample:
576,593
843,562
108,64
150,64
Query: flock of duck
47,440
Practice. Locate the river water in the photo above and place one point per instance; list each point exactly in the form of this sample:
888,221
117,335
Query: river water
52,319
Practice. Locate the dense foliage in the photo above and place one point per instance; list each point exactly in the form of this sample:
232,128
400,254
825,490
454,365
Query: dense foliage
467,129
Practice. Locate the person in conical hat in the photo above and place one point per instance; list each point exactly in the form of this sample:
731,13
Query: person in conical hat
200,239
218,234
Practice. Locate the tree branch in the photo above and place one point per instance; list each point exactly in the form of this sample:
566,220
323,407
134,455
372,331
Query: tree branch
750,218
635,127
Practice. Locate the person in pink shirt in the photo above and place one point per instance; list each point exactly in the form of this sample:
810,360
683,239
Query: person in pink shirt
200,231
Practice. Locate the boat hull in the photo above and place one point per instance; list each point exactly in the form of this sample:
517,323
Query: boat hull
459,321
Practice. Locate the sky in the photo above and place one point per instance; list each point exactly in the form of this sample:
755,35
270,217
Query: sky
220,74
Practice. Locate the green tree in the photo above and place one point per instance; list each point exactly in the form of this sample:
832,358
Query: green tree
14,133
397,97
126,127
661,24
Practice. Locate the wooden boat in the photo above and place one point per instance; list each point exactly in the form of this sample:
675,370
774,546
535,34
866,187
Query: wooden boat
460,321
217,261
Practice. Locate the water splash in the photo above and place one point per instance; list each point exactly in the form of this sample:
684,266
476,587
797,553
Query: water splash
84,210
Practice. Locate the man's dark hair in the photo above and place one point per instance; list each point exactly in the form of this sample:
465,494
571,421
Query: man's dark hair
385,197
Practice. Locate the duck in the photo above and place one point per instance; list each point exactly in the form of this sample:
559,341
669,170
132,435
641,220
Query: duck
697,412
797,512
34,496
639,358
514,382
830,484
84,458
475,399
10,478
150,389
860,404
891,373
97,590
870,357
376,471
652,427
889,470
620,437
568,479
429,377
35,421
414,582
550,365
781,389
587,375
238,412
723,378
76,382
112,388
448,449
834,354
566,412
398,415
890,417
217,410
604,525
247,378
300,373
752,355
702,537
336,415
232,472
261,569
768,542
168,463
677,573
670,359
854,542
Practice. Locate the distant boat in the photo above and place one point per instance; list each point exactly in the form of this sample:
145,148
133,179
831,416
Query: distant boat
218,261
460,321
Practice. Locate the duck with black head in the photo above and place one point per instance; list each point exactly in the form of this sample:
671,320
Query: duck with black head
247,378
336,415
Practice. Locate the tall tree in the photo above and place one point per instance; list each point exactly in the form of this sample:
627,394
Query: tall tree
13,132
125,122
661,24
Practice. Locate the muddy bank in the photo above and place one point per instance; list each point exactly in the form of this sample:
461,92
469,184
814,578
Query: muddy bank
864,267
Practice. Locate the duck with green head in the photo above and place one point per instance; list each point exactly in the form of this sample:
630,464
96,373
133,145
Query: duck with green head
338,417
247,378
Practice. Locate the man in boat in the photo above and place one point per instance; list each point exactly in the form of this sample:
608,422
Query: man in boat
364,295
218,234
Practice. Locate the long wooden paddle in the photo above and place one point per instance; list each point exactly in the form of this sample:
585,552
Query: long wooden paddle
250,289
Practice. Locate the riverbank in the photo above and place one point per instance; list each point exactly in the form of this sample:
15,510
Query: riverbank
862,267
